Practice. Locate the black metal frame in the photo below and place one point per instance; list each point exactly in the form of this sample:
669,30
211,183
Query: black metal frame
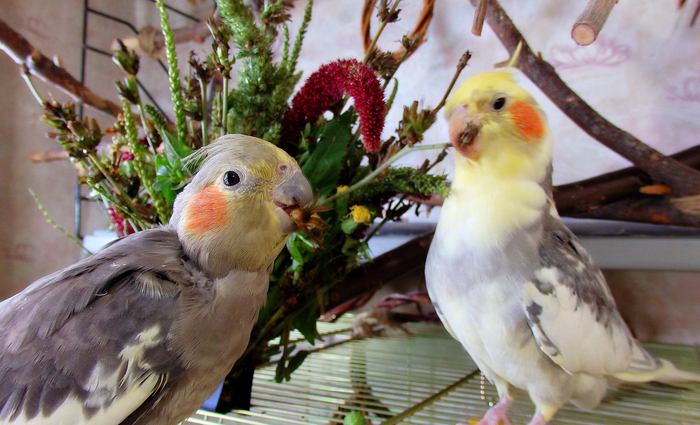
88,13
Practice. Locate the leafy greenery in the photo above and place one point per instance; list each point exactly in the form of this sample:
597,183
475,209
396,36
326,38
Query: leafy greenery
138,177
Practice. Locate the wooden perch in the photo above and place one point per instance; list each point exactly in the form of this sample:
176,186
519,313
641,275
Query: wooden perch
591,21
579,198
19,49
479,16
682,179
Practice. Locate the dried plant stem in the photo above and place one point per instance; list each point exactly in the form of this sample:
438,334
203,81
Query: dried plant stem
682,179
393,72
371,176
461,64
28,79
130,208
51,221
382,25
591,21
203,124
224,105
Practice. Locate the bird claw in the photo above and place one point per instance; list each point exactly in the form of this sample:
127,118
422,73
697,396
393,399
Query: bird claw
497,414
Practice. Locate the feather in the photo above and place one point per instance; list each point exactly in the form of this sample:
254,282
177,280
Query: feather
511,282
144,331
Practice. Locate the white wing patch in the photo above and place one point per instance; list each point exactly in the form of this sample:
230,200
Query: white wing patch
70,412
104,386
570,331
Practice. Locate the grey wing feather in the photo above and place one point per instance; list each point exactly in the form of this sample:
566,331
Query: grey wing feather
65,335
571,310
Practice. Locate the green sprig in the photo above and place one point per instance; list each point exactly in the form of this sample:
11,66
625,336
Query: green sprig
145,172
300,37
173,74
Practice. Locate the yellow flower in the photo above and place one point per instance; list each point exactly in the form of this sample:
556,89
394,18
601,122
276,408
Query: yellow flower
342,188
360,214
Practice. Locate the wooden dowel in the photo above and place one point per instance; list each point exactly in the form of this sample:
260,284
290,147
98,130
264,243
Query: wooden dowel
479,16
591,21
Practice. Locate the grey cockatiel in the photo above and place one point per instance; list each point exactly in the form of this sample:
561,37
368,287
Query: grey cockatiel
145,330
508,279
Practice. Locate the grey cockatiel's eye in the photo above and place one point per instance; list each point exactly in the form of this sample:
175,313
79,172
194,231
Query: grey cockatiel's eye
231,178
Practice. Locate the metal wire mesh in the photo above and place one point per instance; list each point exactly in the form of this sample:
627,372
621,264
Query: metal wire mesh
427,378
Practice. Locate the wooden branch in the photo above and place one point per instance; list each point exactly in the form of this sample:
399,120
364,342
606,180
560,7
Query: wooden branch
576,199
479,16
643,209
19,49
49,155
682,179
381,270
591,21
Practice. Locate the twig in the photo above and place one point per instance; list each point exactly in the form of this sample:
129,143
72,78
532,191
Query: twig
416,36
591,21
56,226
27,76
682,179
380,169
479,15
24,54
49,155
382,25
460,67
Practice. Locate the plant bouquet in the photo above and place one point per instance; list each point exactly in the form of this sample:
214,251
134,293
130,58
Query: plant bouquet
137,177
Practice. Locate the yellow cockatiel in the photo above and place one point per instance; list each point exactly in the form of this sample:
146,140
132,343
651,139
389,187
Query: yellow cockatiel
508,279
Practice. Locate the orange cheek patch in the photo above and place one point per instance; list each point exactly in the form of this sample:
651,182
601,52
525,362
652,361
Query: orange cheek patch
527,121
206,210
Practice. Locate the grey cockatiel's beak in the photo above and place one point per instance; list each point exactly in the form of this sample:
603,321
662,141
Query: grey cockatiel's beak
290,195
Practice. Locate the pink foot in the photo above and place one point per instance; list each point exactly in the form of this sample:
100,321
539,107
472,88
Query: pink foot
497,414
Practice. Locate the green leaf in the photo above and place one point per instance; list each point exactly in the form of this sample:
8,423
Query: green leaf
354,418
283,372
305,322
294,248
348,225
165,183
294,363
326,161
162,183
173,148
